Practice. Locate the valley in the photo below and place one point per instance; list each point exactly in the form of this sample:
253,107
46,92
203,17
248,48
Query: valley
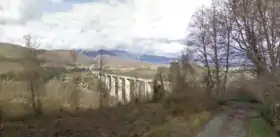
72,88
139,68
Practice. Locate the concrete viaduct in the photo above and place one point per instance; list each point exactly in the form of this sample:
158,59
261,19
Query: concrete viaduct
125,88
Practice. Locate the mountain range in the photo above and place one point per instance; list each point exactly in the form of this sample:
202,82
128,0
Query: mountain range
127,55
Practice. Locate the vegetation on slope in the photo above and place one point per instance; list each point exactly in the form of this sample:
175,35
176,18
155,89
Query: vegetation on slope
128,120
258,127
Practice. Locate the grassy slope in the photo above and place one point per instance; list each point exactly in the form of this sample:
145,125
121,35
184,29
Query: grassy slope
259,128
136,120
11,51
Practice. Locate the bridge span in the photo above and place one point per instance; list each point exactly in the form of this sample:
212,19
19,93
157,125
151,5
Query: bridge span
126,89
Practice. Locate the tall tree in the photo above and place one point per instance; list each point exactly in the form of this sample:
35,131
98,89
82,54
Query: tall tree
210,38
101,85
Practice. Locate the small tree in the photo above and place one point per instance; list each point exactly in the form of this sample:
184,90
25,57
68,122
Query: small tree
75,96
32,67
73,56
158,86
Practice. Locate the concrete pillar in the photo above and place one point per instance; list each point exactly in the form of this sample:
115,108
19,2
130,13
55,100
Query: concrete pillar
116,88
113,87
142,90
106,81
132,89
98,76
150,90
146,89
127,90
109,82
123,84
120,98
138,89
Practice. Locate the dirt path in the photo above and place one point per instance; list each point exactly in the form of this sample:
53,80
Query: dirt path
228,123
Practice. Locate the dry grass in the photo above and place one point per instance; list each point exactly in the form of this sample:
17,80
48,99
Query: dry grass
132,120
180,126
10,66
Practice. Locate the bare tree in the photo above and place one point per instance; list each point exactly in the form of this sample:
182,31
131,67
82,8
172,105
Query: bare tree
249,28
256,31
73,55
198,42
75,96
158,86
210,39
32,67
103,95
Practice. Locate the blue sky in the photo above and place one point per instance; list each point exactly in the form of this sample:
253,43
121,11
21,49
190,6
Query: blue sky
146,26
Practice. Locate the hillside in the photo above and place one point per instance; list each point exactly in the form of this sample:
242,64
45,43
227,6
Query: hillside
63,58
119,62
12,56
153,59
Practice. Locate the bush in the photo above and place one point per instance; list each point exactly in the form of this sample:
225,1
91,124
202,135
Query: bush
8,75
49,73
16,109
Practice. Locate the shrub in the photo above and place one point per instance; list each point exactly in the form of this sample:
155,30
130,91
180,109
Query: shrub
16,109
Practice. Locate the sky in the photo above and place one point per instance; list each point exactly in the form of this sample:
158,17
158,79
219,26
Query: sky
139,26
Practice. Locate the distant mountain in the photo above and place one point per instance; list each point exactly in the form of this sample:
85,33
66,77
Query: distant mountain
126,55
157,59
96,53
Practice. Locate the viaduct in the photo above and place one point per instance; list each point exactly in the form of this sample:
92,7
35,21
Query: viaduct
125,88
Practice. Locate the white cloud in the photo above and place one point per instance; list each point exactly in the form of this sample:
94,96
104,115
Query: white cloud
57,1
20,11
137,25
